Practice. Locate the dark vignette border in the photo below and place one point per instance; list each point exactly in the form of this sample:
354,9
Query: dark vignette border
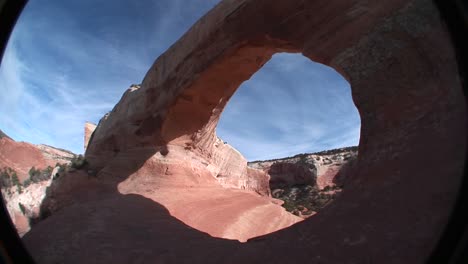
11,248
453,245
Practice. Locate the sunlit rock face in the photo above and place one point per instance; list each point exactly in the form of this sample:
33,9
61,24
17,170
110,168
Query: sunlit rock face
22,156
88,132
23,202
25,205
399,61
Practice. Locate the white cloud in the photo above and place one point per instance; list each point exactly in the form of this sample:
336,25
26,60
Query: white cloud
52,83
70,62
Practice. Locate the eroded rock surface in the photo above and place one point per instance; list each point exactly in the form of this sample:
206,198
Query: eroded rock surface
23,200
25,205
88,132
318,169
22,156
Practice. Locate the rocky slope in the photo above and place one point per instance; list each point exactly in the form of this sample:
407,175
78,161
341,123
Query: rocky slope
196,191
26,204
58,155
22,156
180,183
308,182
33,165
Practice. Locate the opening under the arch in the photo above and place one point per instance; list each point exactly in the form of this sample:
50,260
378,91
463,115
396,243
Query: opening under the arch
296,121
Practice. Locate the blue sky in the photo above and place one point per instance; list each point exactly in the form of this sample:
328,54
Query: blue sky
68,62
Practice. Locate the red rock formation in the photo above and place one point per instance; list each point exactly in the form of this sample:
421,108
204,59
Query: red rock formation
88,132
21,156
400,63
313,169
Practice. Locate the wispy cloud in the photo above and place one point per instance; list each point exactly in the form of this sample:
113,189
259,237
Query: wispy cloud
70,61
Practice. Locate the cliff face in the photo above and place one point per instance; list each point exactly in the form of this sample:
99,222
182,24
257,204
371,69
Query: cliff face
25,205
160,139
23,200
88,132
312,169
22,156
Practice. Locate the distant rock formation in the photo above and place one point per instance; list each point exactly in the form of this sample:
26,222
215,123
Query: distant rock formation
88,132
58,155
317,169
20,158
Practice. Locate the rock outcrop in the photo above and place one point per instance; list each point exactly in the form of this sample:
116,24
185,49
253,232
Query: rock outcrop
20,157
318,169
24,206
399,61
56,155
2,135
88,132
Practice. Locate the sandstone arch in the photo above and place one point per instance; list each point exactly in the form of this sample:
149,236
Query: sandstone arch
400,63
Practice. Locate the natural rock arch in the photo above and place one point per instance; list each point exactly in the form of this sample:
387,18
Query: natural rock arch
399,61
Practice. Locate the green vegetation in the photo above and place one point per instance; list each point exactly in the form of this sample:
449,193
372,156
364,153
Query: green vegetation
15,181
304,199
6,175
303,155
22,208
78,162
36,175
9,177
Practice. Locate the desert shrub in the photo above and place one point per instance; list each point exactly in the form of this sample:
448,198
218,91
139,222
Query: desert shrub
300,197
61,167
15,181
27,182
22,208
289,205
78,162
36,175
5,178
